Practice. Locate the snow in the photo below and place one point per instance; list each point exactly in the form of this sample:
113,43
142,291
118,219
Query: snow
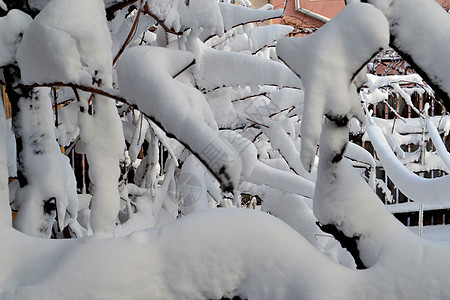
415,39
427,191
180,15
5,210
59,46
438,233
183,98
270,253
367,29
221,68
40,151
103,139
244,271
169,105
437,142
12,28
260,37
234,15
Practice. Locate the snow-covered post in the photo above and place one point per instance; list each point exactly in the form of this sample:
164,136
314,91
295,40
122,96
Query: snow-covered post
420,219
5,210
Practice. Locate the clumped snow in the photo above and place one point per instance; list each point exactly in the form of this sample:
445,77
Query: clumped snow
367,29
417,40
181,15
234,15
168,102
221,68
427,191
210,253
5,214
12,28
40,151
260,37
59,46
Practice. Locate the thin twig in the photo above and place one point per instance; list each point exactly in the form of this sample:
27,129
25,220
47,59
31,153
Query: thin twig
184,69
160,22
251,96
130,35
254,122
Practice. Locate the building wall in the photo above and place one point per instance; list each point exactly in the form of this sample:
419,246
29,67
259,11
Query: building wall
305,24
302,22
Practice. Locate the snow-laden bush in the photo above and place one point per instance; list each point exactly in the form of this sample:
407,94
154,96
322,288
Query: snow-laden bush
181,106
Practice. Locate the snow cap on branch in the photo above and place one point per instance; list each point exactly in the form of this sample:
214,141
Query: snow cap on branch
67,42
12,27
181,15
341,49
145,75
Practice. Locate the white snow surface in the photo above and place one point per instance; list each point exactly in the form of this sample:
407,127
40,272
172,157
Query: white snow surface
161,262
103,139
5,210
427,191
41,152
437,142
260,37
221,68
12,28
234,15
415,38
184,14
145,79
61,46
351,39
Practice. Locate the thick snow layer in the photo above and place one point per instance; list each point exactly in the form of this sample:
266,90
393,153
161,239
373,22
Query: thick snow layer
437,233
418,40
260,37
427,191
61,46
185,259
286,181
341,49
221,68
342,198
293,210
234,15
5,210
40,151
145,79
102,135
12,28
437,142
181,15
